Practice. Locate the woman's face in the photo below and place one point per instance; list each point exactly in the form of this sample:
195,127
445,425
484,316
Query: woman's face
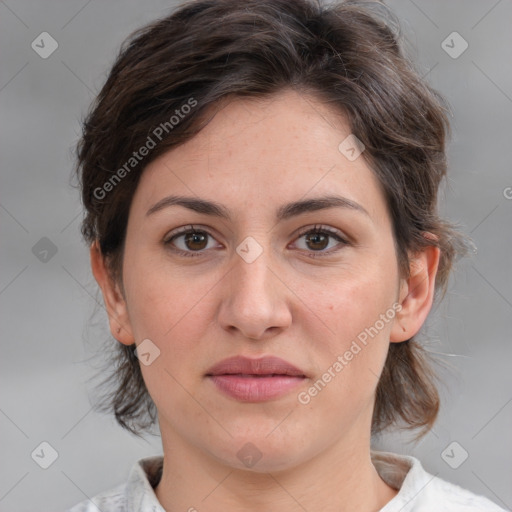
257,283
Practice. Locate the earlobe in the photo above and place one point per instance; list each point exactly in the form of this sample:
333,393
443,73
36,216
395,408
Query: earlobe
416,294
115,303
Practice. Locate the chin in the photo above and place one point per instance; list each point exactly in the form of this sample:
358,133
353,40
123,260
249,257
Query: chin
262,453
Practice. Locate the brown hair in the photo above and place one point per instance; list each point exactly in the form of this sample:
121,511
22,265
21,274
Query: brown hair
348,55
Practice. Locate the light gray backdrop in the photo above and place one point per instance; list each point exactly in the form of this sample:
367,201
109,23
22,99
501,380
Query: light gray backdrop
47,292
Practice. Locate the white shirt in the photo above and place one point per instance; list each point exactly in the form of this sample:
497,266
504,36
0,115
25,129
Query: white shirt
419,491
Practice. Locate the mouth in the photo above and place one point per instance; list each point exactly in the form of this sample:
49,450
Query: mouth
255,380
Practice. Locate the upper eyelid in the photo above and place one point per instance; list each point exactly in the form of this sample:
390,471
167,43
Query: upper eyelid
319,227
183,230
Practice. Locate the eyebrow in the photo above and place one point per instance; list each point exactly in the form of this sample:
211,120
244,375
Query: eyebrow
284,212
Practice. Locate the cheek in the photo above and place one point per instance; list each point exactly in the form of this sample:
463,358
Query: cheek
174,317
359,313
357,302
174,312
165,301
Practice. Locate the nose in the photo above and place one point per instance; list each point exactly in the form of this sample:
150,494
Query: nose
256,303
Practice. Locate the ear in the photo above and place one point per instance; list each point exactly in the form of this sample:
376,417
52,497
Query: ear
114,301
416,294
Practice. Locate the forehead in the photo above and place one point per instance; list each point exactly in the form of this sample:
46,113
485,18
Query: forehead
254,152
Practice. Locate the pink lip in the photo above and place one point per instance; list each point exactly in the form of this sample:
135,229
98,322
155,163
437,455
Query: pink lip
255,380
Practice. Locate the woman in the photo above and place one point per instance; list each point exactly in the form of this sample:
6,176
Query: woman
260,181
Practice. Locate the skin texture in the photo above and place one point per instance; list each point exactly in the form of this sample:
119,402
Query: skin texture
253,157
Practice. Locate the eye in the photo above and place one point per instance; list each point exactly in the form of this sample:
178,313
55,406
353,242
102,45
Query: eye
190,240
194,241
321,240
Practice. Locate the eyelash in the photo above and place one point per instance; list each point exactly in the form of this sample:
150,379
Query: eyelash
312,254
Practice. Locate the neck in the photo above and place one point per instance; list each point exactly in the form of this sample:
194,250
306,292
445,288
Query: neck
340,479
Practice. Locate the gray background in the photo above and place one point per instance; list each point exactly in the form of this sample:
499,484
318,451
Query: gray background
48,338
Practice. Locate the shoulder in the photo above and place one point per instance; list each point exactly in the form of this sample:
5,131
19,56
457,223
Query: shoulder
136,494
419,491
108,501
455,499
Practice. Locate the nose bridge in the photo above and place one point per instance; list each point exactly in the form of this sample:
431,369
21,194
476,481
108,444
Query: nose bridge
252,270
251,276
255,302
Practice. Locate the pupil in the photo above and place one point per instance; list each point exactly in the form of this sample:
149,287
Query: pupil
195,238
317,238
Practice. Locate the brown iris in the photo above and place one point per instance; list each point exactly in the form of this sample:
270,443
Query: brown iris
318,241
196,240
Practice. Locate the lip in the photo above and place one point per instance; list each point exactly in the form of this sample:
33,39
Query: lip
255,380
